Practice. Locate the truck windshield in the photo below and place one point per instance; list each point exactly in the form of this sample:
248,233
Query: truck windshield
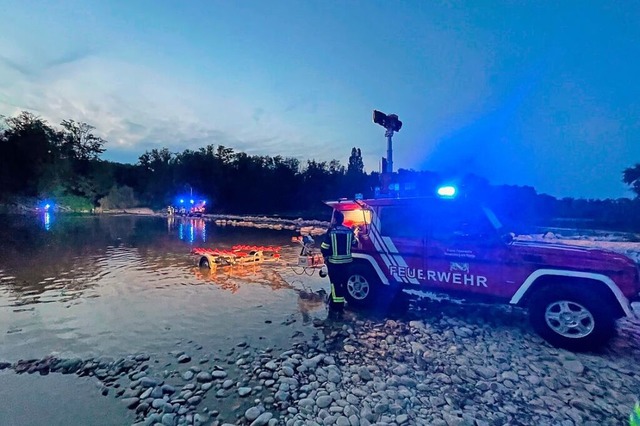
356,217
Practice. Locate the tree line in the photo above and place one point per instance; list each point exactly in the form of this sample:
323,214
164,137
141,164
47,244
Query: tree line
63,162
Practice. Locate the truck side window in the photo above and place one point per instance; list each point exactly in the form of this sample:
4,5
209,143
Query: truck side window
401,221
453,222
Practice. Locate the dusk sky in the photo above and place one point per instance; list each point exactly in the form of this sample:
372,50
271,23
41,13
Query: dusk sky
533,93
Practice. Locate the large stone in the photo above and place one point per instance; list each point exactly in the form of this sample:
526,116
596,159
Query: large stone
349,348
364,374
262,419
288,371
130,403
194,400
156,392
486,372
271,366
324,401
168,389
218,374
574,366
252,413
244,391
204,377
158,403
148,382
168,419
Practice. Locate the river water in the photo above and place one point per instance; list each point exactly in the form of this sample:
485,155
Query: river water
90,286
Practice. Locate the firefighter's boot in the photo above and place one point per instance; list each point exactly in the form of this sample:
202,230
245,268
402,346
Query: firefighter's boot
336,303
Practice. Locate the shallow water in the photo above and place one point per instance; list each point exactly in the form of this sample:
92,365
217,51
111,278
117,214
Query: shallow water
89,286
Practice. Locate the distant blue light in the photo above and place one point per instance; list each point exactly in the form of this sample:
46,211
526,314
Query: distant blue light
47,221
191,201
46,206
181,201
447,191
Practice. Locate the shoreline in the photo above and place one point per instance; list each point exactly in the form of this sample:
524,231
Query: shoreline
440,364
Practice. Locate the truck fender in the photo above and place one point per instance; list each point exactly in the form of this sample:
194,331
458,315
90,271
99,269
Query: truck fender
615,290
365,258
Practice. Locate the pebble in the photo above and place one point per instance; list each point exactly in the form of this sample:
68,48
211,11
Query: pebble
262,419
218,374
324,401
204,377
183,359
244,391
422,372
252,413
130,403
574,366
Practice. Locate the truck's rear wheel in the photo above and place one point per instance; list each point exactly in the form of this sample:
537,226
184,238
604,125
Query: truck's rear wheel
571,320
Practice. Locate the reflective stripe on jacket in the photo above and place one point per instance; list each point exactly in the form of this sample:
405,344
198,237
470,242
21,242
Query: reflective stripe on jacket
336,247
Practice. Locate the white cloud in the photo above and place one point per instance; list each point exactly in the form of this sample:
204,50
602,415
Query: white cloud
136,107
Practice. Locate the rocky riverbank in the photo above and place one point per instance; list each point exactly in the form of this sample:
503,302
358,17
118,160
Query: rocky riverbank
440,364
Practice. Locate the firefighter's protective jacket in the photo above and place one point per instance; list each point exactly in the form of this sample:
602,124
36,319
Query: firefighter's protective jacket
336,247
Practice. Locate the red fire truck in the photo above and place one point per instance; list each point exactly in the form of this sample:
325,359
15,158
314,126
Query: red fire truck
455,245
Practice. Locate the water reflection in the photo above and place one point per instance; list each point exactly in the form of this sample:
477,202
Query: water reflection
190,229
107,284
232,278
47,220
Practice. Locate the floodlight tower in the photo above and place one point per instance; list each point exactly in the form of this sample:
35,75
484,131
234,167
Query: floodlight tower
391,124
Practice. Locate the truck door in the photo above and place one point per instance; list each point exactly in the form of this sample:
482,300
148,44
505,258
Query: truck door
464,251
401,241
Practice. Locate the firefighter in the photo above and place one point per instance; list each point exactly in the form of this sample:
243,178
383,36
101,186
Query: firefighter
336,250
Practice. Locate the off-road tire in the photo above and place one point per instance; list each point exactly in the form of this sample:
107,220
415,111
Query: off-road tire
362,287
204,263
364,290
571,318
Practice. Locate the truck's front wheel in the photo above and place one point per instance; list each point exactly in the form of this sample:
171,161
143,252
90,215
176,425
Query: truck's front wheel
571,320
364,289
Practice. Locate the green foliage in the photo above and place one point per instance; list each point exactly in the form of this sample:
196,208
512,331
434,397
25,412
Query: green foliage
119,197
634,417
74,203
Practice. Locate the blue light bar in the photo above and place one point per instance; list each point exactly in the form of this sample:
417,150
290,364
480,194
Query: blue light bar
447,191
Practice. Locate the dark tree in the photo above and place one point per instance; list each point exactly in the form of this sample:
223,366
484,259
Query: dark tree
356,166
27,153
79,142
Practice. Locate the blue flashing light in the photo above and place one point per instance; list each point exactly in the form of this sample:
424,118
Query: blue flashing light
191,201
204,202
47,206
447,191
181,201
